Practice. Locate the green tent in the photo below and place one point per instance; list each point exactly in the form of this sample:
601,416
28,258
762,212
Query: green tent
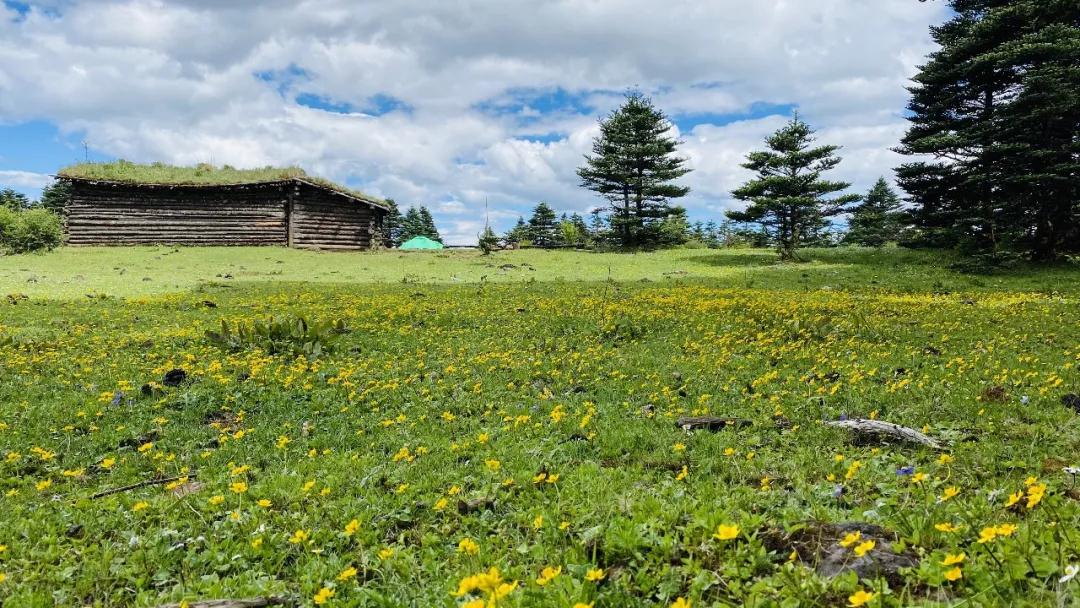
421,242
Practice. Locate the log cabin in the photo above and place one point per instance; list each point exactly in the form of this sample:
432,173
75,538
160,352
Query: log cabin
128,204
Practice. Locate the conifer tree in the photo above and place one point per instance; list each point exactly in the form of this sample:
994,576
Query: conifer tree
997,106
15,201
788,196
412,225
633,165
877,219
543,226
392,224
427,225
519,233
54,197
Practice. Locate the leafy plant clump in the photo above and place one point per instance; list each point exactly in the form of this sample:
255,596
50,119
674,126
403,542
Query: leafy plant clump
29,230
292,336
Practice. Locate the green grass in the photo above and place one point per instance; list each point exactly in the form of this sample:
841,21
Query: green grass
458,380
200,175
138,271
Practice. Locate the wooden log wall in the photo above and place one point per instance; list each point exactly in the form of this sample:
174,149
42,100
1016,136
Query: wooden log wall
324,219
118,214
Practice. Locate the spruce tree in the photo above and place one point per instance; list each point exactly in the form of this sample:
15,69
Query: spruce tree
877,220
392,225
542,226
54,197
427,225
633,165
412,225
15,201
788,196
997,106
519,233
582,229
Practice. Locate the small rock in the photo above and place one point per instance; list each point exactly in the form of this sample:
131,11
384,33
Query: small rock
174,377
1072,400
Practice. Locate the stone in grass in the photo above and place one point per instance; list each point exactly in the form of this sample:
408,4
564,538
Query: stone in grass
174,377
710,423
1072,400
818,544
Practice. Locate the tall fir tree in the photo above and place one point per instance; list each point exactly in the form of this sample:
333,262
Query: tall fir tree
997,107
392,225
788,196
54,196
427,225
412,225
543,226
633,165
878,219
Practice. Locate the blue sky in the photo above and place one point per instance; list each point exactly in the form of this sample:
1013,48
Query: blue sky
449,106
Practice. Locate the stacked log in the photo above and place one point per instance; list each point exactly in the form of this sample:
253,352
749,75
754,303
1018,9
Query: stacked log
325,219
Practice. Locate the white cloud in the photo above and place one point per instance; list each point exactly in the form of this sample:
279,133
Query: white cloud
176,81
24,180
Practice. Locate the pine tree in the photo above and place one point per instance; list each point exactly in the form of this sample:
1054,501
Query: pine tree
54,197
542,226
412,225
582,229
517,234
427,225
392,225
877,219
16,201
998,107
788,195
487,240
633,166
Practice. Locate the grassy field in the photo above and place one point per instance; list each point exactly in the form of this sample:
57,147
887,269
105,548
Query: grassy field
139,271
501,431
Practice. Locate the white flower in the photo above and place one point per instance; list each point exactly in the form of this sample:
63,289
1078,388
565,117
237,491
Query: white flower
1070,573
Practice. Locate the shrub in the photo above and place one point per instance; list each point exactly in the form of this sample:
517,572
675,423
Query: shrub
31,230
9,218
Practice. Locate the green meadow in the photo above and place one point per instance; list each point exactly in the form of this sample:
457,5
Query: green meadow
451,429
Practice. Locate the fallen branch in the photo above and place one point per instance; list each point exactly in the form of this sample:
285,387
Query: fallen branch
710,423
142,484
253,603
878,429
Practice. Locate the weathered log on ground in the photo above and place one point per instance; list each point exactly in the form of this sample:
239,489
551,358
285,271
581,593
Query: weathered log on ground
710,423
261,602
880,430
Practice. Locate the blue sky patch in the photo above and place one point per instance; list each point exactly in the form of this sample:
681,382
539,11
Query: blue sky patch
285,79
39,147
21,8
319,102
530,104
376,105
760,109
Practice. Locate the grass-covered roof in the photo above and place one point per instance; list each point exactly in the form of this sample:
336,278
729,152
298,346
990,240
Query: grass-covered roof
126,172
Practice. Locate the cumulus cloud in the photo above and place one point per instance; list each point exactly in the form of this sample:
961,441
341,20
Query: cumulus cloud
451,104
24,179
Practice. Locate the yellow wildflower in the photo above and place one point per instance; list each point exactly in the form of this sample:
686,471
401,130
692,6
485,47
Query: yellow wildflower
860,598
726,532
